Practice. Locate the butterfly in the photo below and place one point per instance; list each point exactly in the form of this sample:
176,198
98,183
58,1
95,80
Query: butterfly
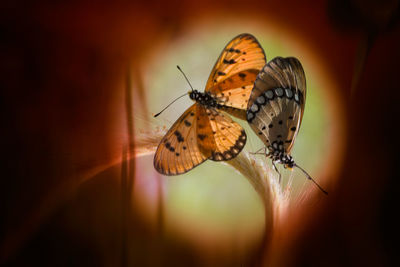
205,130
276,107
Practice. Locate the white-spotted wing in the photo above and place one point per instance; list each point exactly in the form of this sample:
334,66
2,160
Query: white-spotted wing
275,109
276,103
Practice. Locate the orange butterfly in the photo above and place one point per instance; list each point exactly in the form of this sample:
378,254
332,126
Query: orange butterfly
205,131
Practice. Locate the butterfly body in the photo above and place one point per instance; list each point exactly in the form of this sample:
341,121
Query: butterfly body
205,131
205,99
279,155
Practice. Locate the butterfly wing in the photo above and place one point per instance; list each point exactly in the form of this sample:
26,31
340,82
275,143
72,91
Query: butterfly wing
233,75
277,101
178,151
200,133
218,135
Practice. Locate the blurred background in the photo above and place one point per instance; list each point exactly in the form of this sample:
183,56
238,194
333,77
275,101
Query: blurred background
80,82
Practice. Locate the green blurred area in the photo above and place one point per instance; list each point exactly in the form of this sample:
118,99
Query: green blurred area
213,196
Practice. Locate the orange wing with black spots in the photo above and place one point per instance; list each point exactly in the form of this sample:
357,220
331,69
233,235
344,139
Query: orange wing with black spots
199,134
178,152
218,135
205,138
232,78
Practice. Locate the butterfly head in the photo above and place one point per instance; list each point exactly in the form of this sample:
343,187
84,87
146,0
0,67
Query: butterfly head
287,161
205,99
194,94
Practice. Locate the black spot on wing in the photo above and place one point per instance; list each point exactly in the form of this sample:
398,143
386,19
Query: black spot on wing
233,50
201,136
179,136
231,61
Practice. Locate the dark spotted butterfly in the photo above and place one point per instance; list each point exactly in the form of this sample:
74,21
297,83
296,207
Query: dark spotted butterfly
275,109
205,131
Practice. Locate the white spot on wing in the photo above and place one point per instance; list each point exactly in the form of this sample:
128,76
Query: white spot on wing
269,94
279,91
254,108
260,99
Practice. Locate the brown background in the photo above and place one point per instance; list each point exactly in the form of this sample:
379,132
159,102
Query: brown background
58,63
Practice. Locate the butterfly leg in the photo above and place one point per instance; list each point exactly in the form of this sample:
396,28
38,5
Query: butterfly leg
276,169
258,151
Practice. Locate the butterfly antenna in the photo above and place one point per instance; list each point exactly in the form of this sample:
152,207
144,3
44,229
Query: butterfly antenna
169,105
184,75
309,178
